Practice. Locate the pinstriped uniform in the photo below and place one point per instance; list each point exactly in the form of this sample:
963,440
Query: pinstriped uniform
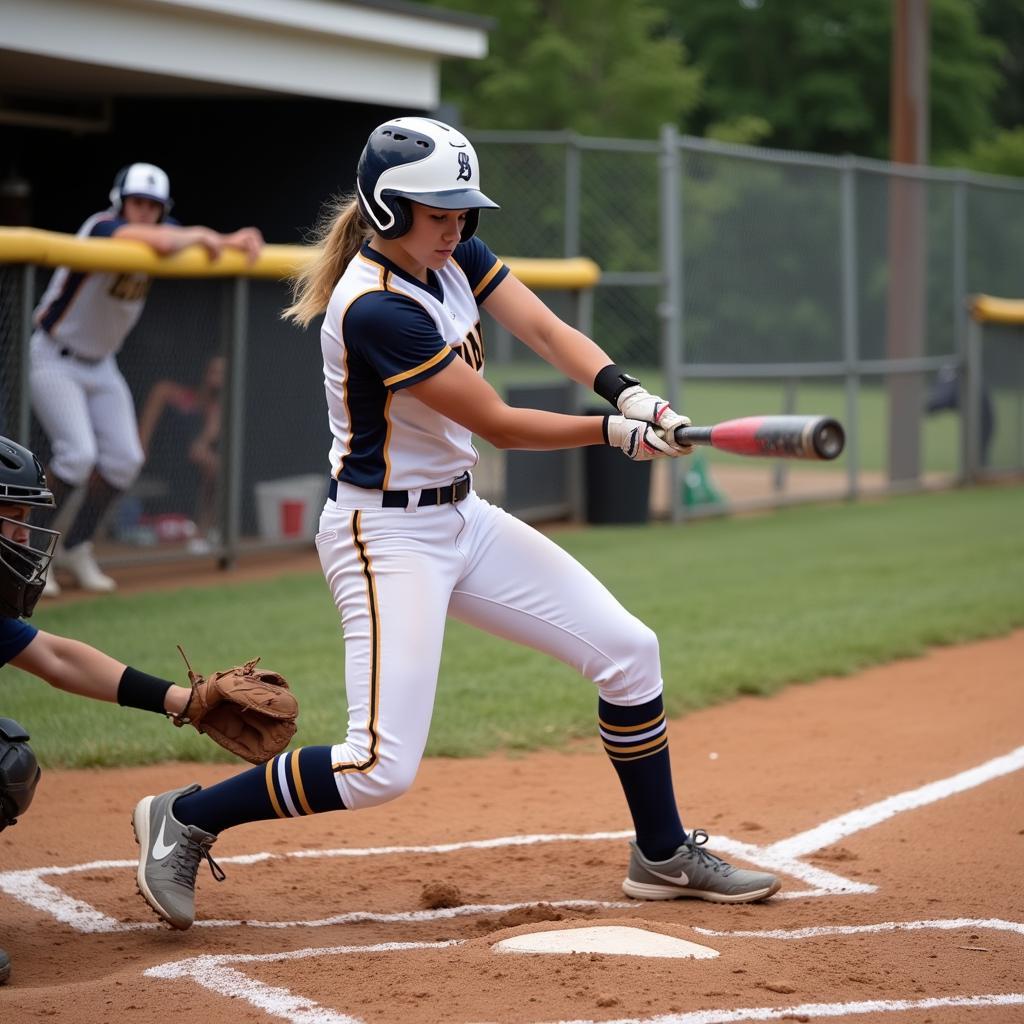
396,574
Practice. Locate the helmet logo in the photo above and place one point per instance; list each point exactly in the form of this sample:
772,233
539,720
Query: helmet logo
465,170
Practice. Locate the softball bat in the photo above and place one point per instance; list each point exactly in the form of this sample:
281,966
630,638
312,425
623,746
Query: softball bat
786,437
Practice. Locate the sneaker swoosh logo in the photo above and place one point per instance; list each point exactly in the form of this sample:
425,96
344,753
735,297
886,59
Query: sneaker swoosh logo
159,849
680,879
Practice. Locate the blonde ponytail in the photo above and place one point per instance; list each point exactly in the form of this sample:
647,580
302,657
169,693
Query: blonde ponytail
340,233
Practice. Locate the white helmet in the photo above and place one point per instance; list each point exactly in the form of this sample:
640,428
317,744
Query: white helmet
418,159
145,180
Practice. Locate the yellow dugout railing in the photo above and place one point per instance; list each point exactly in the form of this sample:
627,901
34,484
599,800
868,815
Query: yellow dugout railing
23,250
51,249
984,309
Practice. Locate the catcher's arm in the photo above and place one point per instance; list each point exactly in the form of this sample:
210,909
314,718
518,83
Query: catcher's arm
77,668
247,710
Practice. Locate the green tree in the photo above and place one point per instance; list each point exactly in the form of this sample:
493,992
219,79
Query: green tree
817,71
1003,153
1004,20
598,67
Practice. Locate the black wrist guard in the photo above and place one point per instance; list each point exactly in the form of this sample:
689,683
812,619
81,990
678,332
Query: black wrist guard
612,381
140,690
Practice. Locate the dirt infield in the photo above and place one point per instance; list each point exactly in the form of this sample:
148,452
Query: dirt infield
891,803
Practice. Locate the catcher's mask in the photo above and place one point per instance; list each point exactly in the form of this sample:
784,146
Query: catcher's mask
418,159
19,772
25,550
144,180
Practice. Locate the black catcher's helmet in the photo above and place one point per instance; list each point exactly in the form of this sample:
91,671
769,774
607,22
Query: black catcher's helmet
25,550
418,159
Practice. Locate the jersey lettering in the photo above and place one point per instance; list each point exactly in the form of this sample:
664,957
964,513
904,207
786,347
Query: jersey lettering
129,287
472,347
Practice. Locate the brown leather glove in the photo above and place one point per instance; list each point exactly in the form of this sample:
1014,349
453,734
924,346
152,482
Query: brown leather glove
247,710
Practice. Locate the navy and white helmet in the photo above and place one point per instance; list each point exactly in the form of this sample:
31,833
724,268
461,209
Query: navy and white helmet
145,180
422,160
24,561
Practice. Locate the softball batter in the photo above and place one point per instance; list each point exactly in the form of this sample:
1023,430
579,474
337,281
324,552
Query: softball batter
78,393
404,541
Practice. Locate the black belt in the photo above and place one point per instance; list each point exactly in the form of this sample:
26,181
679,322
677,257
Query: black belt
67,353
446,495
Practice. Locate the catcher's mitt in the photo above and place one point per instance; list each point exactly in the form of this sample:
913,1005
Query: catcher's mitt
247,710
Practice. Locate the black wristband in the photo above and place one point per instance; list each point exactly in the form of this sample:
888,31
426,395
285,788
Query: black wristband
604,428
139,690
612,381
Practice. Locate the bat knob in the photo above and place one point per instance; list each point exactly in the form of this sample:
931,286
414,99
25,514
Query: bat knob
828,439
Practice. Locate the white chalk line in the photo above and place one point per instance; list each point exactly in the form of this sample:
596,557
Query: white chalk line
817,1010
212,972
942,924
28,886
829,832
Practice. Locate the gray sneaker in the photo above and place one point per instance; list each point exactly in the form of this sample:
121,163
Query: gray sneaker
5,967
694,872
169,857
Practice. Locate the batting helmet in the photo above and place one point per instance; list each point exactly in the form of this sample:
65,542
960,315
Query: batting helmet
418,159
25,551
144,180
19,772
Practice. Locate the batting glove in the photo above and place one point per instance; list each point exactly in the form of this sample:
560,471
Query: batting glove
637,403
636,439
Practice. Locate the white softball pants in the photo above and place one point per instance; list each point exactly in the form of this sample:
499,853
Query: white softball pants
395,576
88,414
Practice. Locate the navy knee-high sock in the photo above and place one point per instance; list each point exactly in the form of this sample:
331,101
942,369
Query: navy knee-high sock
636,740
291,785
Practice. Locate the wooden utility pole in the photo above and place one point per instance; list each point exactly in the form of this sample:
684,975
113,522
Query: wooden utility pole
908,225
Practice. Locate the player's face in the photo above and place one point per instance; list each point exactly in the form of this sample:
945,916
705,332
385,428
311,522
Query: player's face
433,236
140,210
18,529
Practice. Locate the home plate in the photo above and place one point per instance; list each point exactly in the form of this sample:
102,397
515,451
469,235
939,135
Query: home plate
614,939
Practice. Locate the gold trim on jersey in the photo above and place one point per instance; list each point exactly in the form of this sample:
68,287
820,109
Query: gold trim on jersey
344,353
387,439
487,278
372,609
432,361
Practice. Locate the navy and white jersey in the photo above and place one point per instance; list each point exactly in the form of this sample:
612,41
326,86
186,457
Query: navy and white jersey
15,636
385,331
92,313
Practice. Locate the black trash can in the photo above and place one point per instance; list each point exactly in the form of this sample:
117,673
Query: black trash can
617,489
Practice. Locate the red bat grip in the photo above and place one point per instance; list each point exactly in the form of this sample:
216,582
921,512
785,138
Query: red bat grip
792,437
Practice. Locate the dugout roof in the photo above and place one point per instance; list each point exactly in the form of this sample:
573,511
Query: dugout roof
384,52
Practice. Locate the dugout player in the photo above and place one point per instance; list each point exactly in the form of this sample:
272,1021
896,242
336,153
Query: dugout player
78,392
25,554
404,541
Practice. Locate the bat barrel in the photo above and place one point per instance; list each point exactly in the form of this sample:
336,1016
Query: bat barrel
793,437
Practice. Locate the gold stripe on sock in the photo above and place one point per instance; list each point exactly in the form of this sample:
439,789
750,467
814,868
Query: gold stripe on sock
631,728
299,791
636,748
640,757
270,789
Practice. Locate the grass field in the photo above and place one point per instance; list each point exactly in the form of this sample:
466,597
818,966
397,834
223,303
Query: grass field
742,606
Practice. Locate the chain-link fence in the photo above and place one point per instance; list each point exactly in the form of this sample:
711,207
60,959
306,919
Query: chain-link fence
742,280
735,281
